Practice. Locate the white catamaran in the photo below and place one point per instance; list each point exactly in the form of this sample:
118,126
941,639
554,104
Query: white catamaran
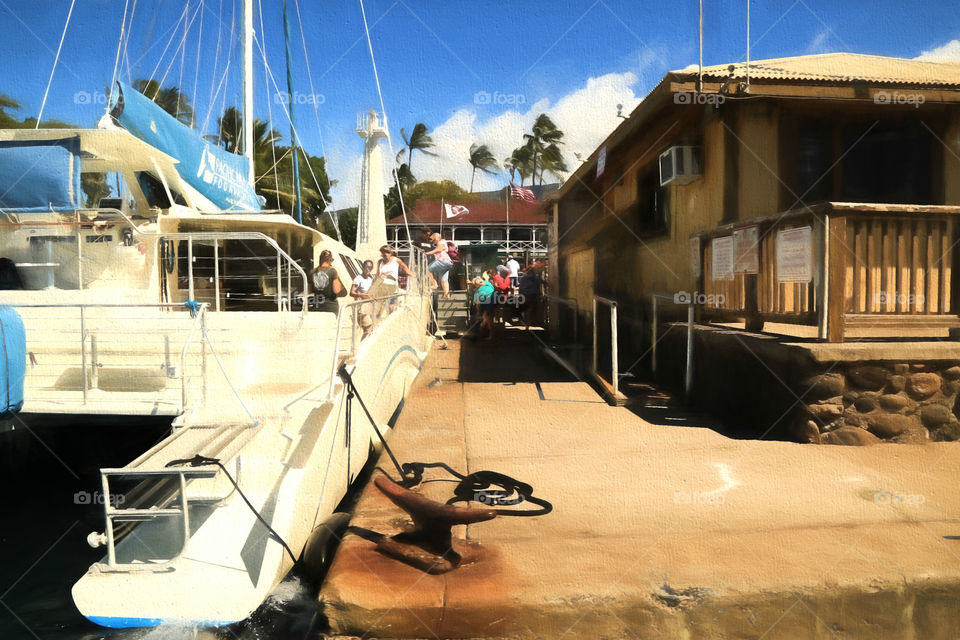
176,295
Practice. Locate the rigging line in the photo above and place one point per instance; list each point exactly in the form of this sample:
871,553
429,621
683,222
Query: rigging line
196,74
212,102
313,93
226,74
183,56
273,146
296,135
176,28
279,160
383,110
213,73
56,59
126,42
116,61
183,41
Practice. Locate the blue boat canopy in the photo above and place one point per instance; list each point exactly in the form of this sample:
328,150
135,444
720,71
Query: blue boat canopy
40,175
217,174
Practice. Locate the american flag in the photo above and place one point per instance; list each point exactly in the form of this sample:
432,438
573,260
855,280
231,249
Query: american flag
520,193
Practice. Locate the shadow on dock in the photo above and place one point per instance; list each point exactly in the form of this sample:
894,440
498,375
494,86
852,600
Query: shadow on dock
514,356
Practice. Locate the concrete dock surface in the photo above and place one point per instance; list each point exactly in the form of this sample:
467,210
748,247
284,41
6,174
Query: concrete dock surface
657,531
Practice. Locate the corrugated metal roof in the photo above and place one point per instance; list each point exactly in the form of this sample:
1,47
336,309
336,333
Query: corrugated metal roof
840,67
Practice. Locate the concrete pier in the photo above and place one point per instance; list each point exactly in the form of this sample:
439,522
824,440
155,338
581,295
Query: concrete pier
658,531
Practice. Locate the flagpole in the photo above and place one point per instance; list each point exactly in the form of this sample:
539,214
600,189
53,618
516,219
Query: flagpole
508,219
442,210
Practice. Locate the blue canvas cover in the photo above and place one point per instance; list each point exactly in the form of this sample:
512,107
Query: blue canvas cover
39,175
217,174
13,369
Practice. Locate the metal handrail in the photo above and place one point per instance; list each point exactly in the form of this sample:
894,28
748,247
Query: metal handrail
614,367
81,307
183,359
336,341
688,370
215,235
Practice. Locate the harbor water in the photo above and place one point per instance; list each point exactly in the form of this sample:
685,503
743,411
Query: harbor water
52,501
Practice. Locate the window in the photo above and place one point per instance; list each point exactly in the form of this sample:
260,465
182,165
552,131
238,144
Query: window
350,265
494,234
468,234
651,210
101,189
520,233
887,162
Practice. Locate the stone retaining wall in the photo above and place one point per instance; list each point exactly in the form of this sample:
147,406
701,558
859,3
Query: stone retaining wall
858,403
762,387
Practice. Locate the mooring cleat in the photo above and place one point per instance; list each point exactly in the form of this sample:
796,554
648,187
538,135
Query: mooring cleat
428,546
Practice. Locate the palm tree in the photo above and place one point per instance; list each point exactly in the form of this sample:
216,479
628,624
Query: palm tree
6,120
418,141
481,158
544,133
230,126
170,99
552,161
520,161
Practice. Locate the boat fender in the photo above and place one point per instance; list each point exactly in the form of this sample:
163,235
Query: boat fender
322,543
13,370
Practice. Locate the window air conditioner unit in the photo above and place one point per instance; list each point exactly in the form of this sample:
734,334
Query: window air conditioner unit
681,164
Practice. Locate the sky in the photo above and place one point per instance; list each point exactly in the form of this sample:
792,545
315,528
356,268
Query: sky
473,71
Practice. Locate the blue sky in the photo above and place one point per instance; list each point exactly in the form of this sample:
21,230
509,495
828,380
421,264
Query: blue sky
473,71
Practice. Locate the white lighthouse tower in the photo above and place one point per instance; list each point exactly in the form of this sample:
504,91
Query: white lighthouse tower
371,224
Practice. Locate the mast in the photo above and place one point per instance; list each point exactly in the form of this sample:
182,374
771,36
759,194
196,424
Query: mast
248,86
293,130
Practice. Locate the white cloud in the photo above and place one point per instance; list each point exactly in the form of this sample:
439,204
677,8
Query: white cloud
949,52
586,116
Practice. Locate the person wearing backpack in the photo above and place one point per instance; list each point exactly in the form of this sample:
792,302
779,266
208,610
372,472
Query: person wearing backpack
441,266
326,284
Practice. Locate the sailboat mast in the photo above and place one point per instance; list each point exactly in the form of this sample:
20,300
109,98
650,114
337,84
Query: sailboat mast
248,86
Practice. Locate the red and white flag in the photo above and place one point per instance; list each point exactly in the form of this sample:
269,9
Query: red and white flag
520,193
454,210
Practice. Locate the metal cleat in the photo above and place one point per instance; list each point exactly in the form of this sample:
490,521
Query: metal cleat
429,545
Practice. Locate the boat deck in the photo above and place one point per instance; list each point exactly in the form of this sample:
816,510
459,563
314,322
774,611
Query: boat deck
658,531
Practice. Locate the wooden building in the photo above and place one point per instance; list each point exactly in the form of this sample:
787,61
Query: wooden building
817,195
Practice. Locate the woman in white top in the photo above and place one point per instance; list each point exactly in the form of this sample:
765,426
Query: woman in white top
390,266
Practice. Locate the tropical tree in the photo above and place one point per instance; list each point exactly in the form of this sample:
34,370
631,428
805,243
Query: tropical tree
544,133
230,126
419,140
520,161
170,99
7,103
552,162
481,158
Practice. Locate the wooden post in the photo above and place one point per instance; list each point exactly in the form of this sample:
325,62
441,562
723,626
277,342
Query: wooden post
836,278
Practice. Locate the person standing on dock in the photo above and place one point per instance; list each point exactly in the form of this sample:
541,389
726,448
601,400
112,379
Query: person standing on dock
441,266
326,284
514,268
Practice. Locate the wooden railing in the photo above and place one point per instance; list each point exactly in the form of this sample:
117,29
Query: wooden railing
871,266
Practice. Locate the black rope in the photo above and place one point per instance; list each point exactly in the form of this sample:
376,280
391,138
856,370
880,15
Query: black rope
199,461
486,487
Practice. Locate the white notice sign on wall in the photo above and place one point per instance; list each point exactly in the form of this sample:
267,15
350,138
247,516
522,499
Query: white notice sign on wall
721,259
794,255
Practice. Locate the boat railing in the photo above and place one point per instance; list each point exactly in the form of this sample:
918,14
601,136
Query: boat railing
100,348
249,279
365,315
